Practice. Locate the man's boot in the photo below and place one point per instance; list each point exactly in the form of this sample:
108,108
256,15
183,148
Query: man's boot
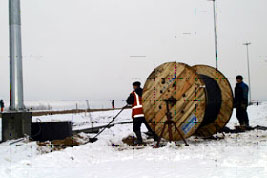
149,133
139,139
242,127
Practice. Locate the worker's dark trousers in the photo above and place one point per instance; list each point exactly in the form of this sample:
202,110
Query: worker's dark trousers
137,122
242,116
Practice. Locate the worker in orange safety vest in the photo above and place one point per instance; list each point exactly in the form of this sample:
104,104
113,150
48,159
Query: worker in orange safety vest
135,99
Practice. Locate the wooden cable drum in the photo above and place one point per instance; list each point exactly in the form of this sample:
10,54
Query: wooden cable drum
179,87
219,105
198,100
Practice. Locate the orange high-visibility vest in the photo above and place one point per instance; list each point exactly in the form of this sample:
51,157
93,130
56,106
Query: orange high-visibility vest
137,106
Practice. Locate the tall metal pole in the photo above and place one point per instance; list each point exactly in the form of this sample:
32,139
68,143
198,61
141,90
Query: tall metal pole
215,31
248,43
16,78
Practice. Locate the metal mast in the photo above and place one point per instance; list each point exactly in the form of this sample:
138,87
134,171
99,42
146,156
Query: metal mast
215,31
16,75
248,43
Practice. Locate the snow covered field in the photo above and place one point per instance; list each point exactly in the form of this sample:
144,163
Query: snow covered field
68,104
238,155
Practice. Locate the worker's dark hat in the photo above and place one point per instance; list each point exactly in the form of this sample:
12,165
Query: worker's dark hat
136,83
239,77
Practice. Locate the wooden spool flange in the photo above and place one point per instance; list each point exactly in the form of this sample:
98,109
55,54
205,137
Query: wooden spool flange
180,85
227,102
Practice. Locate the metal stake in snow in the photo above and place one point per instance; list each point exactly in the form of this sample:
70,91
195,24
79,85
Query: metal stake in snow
16,78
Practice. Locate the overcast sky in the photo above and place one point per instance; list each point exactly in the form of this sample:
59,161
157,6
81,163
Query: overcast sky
80,49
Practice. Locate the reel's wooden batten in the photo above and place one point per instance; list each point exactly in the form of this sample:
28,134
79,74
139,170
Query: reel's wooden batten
179,86
212,124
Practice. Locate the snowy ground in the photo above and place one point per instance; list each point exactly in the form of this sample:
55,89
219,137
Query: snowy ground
238,155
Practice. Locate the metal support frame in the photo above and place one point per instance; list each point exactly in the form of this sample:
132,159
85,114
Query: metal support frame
170,124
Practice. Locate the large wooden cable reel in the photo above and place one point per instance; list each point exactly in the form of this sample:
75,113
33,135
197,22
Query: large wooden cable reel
177,85
178,92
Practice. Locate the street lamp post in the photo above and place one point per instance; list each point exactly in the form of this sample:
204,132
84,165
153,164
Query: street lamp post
248,43
16,78
16,123
215,31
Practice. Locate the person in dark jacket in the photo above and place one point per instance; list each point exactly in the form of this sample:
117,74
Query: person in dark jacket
2,105
135,99
241,101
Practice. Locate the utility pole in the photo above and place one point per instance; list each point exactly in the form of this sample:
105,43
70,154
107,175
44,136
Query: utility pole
248,43
16,75
215,31
16,123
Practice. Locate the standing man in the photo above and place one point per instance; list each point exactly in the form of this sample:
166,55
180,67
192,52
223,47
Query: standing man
2,105
241,102
135,99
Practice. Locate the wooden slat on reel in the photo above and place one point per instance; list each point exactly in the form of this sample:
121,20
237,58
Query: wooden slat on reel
179,86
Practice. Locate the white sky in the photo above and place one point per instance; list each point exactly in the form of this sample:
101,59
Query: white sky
80,49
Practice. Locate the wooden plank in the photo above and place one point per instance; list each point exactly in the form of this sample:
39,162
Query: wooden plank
181,82
227,104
